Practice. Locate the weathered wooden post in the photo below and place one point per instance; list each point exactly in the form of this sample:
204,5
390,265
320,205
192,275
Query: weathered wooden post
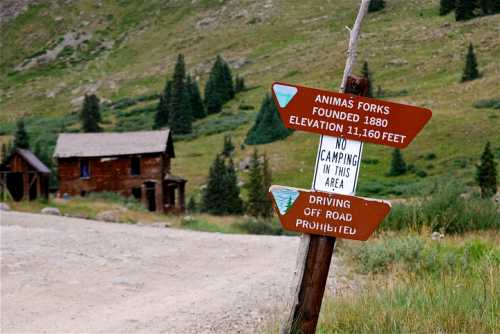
315,252
330,209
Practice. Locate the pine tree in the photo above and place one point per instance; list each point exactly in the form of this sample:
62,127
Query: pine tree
192,205
470,70
376,5
446,6
254,186
289,204
219,87
21,138
214,196
488,6
464,9
197,107
398,165
268,126
90,114
213,101
239,84
267,205
368,75
227,79
234,204
180,115
486,174
228,146
163,108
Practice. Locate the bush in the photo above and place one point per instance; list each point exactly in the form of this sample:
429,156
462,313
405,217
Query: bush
420,255
489,103
447,210
254,226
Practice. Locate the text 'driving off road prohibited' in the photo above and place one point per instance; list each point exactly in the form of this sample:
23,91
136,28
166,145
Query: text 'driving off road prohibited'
348,116
328,214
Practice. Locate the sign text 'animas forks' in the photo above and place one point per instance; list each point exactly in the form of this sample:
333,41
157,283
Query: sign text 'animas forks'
348,116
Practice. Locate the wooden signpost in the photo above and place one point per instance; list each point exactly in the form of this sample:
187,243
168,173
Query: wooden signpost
330,209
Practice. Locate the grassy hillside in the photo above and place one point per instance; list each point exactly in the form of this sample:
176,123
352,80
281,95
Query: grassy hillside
415,55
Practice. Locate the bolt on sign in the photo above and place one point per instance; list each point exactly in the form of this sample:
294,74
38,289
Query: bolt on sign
348,116
334,215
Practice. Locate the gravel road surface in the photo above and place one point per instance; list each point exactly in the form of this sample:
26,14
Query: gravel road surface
61,275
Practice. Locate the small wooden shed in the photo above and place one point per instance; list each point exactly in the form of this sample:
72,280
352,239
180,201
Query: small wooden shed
23,176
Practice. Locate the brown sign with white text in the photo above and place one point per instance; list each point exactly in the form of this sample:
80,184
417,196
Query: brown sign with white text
328,214
349,116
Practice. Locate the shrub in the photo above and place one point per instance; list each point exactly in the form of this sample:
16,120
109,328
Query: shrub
255,226
447,210
488,103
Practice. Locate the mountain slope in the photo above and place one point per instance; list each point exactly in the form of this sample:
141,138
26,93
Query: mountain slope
415,55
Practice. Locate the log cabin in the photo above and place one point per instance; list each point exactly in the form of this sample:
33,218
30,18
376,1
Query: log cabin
129,163
23,176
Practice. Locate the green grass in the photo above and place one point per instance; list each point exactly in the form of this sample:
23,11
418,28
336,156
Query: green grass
447,209
417,285
290,41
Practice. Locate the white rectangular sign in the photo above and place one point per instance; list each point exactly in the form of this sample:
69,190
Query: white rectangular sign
337,165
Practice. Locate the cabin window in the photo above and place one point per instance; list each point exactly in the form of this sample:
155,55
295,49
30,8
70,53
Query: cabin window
135,168
84,169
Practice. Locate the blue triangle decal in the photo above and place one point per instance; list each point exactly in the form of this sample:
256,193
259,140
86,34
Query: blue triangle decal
284,94
284,198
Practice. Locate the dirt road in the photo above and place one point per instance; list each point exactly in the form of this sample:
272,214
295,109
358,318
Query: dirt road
64,275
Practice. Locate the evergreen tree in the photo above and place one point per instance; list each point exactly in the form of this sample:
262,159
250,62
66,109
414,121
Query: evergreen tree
446,6
239,84
197,107
376,5
368,75
289,204
470,70
398,165
234,204
192,205
180,116
90,115
163,108
21,138
464,9
486,174
227,79
487,6
268,126
214,196
219,87
213,101
267,205
228,146
254,186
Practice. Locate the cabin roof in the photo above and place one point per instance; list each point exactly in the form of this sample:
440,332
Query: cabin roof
30,158
103,144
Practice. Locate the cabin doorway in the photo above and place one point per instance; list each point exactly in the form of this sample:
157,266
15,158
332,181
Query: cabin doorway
15,185
33,186
150,189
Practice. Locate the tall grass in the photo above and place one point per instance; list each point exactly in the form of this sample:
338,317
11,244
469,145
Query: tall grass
447,210
420,286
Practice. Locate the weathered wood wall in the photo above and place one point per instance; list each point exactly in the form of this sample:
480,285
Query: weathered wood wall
111,175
